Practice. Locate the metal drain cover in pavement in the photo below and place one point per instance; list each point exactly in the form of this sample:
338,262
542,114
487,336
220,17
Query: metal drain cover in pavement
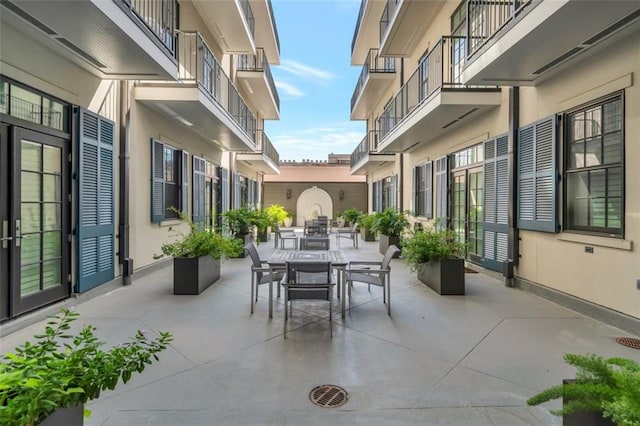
328,396
631,342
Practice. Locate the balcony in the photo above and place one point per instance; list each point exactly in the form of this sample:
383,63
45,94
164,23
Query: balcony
203,99
265,159
433,100
254,72
365,159
114,39
376,76
523,42
266,33
366,32
403,24
232,23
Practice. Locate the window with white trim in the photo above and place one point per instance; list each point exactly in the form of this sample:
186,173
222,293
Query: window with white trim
594,168
169,168
423,190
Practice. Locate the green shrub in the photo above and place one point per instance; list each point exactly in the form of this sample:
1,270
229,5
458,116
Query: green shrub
422,245
277,214
391,222
62,370
607,385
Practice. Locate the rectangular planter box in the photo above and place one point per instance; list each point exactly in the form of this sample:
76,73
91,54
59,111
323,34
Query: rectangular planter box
68,416
194,275
367,235
445,276
264,236
584,418
389,240
245,240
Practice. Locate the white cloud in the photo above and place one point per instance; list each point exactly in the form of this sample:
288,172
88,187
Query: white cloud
318,142
289,89
305,71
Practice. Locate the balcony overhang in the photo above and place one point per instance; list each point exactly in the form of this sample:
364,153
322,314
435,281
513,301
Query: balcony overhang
410,22
228,25
258,91
259,162
371,162
368,31
548,39
196,110
371,93
99,36
437,115
265,31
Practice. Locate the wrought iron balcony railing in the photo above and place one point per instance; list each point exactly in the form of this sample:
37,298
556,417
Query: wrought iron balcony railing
258,63
197,63
367,145
159,16
248,15
486,17
363,6
373,64
387,14
266,147
440,68
273,24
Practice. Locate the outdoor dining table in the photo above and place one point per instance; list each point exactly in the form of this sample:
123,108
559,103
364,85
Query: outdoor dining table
279,259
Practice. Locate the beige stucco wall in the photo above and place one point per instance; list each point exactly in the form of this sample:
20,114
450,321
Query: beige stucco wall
607,276
147,237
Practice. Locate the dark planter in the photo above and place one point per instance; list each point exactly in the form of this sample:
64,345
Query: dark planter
584,418
445,276
389,240
193,275
68,416
264,235
246,238
366,235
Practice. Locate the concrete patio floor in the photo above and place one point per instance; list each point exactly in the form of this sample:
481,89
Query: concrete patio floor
437,360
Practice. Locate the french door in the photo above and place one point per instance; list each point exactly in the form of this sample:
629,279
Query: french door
34,217
467,214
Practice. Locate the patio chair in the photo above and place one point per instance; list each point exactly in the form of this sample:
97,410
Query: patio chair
308,280
260,272
283,237
351,233
373,273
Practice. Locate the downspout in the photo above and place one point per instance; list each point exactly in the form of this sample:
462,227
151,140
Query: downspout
513,237
401,183
123,204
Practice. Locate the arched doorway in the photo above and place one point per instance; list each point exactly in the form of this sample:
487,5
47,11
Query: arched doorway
313,202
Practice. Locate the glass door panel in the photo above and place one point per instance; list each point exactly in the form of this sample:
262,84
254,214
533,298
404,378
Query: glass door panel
459,213
475,231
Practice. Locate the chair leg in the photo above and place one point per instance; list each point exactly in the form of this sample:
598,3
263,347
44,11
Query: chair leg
286,302
388,298
331,313
252,285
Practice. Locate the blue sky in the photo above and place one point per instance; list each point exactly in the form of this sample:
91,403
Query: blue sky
315,79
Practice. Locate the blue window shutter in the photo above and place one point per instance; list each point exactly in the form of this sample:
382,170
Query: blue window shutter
96,228
157,181
496,202
184,182
236,190
428,193
537,176
225,190
442,186
198,191
379,197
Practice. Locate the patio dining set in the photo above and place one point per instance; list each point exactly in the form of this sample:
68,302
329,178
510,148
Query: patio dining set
309,269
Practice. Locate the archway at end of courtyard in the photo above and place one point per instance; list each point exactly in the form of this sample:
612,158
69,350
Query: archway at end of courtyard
313,202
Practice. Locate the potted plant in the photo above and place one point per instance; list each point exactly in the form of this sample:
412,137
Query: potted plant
50,380
278,216
605,391
367,223
288,222
351,216
390,224
263,222
197,256
239,223
437,255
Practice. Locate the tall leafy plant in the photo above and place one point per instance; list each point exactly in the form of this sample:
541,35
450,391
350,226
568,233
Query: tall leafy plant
391,222
277,214
422,245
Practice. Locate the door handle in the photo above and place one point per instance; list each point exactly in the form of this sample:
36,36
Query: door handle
5,234
18,235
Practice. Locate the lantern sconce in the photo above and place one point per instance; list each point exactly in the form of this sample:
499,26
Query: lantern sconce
341,195
288,194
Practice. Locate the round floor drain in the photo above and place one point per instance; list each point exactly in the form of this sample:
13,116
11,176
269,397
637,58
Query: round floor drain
631,342
328,396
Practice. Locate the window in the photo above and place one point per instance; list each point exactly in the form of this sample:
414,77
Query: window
423,190
594,168
169,181
389,192
458,42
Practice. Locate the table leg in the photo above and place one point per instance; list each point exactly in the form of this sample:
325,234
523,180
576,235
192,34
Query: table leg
343,284
270,293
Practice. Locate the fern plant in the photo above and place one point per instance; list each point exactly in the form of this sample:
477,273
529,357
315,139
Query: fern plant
607,385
